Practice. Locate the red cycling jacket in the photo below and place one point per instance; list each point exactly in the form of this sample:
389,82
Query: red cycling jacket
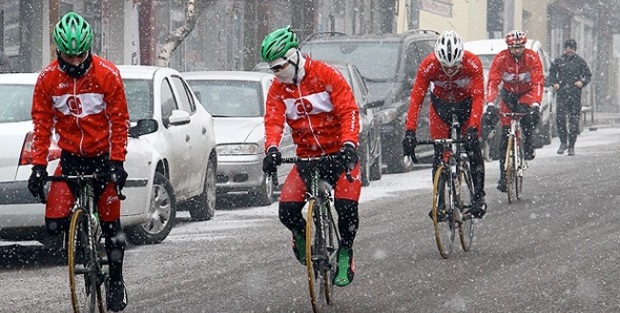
88,113
519,76
320,110
467,83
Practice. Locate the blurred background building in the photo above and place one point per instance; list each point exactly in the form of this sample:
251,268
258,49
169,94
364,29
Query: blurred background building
228,33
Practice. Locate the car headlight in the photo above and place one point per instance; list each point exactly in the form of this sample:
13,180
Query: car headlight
388,115
237,149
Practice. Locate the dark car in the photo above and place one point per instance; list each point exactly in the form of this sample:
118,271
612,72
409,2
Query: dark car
389,64
369,150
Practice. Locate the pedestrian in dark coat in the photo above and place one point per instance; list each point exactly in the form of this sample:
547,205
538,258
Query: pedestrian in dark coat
568,74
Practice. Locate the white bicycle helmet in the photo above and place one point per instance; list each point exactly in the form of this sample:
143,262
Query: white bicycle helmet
449,49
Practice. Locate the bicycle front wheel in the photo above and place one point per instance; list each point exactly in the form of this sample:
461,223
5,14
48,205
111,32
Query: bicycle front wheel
518,173
442,213
466,196
83,275
319,278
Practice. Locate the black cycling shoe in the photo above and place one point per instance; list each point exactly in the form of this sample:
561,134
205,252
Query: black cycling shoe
442,215
116,296
478,207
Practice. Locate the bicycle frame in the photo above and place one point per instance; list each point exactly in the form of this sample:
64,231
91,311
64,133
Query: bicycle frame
84,236
514,161
452,171
321,244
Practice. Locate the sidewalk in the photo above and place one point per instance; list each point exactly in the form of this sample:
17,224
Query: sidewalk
601,119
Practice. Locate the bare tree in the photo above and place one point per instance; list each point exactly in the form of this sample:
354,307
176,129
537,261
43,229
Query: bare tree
193,10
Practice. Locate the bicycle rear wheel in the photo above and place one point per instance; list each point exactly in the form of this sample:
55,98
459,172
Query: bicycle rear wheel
509,168
319,278
466,195
84,277
444,224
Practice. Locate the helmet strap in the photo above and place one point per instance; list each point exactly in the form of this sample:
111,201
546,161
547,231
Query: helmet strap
296,65
73,70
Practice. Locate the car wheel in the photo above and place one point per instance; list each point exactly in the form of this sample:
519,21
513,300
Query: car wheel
365,165
202,208
160,217
264,194
395,160
375,169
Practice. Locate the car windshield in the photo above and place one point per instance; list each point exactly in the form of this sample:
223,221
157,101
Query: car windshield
16,103
375,60
139,94
229,98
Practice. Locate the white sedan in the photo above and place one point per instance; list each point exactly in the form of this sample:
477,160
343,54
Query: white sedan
171,156
237,101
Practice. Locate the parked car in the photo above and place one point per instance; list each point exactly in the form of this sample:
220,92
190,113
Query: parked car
171,157
236,99
389,64
370,128
486,51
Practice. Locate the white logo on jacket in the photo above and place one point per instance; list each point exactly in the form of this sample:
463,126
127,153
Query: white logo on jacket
297,108
89,103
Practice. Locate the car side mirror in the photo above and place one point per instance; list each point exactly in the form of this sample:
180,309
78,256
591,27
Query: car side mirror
179,117
143,127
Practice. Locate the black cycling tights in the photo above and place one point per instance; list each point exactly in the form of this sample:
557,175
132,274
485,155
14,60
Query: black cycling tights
348,219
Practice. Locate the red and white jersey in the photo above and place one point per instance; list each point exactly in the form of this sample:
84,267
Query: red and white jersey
467,83
320,110
518,76
88,113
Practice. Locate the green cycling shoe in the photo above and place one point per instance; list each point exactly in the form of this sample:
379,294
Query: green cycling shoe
346,267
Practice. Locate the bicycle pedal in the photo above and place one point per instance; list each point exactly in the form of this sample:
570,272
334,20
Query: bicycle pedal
104,261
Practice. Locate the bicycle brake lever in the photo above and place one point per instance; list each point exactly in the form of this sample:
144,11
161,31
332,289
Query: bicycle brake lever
121,196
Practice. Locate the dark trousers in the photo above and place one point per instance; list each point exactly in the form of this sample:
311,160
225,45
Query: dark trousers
568,110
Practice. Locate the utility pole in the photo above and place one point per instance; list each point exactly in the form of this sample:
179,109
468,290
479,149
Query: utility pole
509,15
414,14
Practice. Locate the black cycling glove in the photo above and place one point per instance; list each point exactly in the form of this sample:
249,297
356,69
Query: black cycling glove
472,136
409,143
37,181
118,175
349,156
272,159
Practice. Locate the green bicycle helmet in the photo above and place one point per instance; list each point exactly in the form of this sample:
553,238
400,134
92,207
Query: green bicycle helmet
72,34
277,43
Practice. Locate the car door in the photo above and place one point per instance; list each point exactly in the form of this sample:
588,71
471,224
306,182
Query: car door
197,153
177,138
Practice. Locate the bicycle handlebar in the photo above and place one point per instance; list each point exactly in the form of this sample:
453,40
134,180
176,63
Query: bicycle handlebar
513,114
294,160
79,178
441,141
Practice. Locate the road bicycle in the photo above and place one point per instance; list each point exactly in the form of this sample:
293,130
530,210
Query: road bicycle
85,250
453,192
322,236
514,161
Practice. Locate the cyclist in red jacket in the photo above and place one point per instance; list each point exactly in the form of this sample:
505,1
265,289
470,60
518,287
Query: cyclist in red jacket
316,101
457,87
520,73
81,97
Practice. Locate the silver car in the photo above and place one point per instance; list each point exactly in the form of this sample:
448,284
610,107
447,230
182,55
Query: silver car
236,99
